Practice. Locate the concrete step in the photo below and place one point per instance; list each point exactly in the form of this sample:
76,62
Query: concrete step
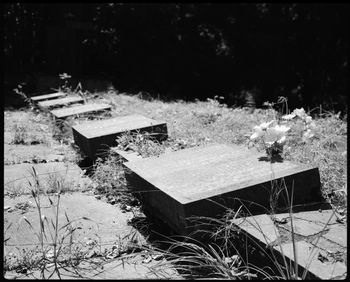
95,137
45,105
202,181
79,110
45,97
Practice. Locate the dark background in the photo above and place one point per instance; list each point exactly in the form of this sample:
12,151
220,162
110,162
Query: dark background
184,51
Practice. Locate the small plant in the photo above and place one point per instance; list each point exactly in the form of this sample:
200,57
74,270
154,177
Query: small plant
65,86
19,91
144,144
20,134
273,134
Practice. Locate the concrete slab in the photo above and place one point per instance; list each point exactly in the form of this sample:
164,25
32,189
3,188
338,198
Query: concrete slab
128,156
313,223
260,227
47,96
77,110
15,154
105,227
308,259
95,137
60,102
203,181
18,176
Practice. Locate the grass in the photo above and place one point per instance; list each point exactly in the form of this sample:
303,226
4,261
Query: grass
205,122
199,123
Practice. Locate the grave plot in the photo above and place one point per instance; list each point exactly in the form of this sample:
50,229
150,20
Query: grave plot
79,110
95,137
45,105
40,98
203,181
320,240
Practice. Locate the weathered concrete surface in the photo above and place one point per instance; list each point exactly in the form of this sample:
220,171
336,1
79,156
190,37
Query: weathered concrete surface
47,96
77,110
94,137
310,258
17,177
259,227
315,233
60,102
15,154
103,221
192,182
105,227
128,156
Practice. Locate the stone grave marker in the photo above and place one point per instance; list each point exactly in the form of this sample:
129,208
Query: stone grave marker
78,110
201,181
47,96
95,137
60,102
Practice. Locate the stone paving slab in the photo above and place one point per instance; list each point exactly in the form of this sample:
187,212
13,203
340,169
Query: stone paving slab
95,136
261,227
47,96
104,221
18,176
105,227
191,182
77,110
308,258
60,102
312,238
15,154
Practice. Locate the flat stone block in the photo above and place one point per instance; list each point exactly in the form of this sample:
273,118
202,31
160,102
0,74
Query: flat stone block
202,181
308,259
128,156
260,227
77,110
60,102
95,137
47,96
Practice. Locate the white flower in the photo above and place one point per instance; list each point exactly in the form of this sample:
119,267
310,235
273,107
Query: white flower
265,125
276,134
260,130
288,117
299,112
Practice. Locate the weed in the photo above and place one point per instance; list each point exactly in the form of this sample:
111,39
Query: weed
144,144
20,134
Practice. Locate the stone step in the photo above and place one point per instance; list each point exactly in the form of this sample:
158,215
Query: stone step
45,105
78,110
18,176
47,96
95,137
318,238
202,181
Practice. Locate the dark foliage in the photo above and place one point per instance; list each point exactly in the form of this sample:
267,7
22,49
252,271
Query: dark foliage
189,50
